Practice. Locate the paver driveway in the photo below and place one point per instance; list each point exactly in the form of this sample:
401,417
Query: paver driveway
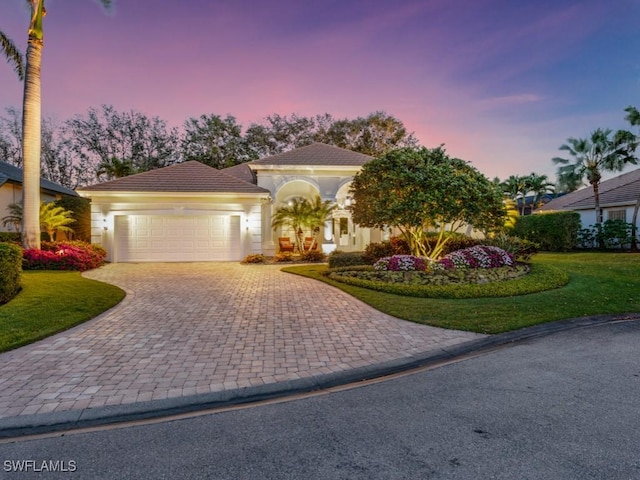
193,328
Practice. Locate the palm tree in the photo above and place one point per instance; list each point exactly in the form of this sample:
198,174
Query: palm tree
593,156
299,213
538,185
54,219
515,187
31,117
318,214
294,214
115,168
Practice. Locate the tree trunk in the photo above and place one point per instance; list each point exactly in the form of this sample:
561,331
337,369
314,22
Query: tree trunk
31,125
634,227
596,199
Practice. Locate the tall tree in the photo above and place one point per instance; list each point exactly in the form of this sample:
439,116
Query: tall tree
215,141
102,135
55,158
373,135
31,117
603,151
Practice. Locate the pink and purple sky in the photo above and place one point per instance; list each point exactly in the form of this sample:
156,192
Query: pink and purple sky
502,83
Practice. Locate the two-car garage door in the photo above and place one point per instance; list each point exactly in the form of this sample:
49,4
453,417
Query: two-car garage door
177,238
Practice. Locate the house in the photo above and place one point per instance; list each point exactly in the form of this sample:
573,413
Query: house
618,199
192,212
11,190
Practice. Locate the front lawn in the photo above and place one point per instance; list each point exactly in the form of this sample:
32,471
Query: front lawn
599,283
50,302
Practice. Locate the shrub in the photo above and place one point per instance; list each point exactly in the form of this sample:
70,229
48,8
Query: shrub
521,249
11,237
346,259
313,256
284,257
388,248
401,263
64,256
612,234
480,256
455,242
554,232
10,268
256,258
81,213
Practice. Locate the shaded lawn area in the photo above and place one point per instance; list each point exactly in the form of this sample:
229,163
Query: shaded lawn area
50,302
599,283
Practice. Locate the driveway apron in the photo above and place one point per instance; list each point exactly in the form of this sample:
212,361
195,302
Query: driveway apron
192,328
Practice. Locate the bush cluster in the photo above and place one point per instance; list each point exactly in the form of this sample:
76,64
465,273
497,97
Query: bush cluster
313,256
521,249
256,258
398,246
346,259
284,257
553,232
612,234
66,255
10,268
388,248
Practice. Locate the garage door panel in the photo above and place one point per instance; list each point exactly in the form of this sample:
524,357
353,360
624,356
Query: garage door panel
174,238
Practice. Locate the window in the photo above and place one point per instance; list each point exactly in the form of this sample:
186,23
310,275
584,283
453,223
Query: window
617,215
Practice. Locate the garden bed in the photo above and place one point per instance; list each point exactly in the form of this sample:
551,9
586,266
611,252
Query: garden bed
442,277
520,279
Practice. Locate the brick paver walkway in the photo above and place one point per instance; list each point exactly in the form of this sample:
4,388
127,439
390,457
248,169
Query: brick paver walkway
187,329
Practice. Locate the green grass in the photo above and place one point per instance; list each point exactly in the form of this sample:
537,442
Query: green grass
50,302
599,283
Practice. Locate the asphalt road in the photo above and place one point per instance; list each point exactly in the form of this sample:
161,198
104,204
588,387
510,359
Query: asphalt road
566,406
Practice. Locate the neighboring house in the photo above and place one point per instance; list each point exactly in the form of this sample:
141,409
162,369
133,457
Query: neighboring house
618,198
193,212
11,190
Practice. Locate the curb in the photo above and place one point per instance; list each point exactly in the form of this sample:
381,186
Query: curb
21,426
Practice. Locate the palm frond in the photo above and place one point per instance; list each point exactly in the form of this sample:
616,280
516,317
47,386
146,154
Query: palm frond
14,57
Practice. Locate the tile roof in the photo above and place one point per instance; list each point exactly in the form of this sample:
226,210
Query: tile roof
624,188
242,171
318,154
191,176
11,173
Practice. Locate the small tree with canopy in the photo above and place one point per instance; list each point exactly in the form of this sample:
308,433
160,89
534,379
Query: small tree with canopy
421,190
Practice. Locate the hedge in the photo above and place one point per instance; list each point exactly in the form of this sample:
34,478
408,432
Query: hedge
553,232
346,259
10,269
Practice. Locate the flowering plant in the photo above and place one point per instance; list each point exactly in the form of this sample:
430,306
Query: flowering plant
63,256
400,263
480,256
